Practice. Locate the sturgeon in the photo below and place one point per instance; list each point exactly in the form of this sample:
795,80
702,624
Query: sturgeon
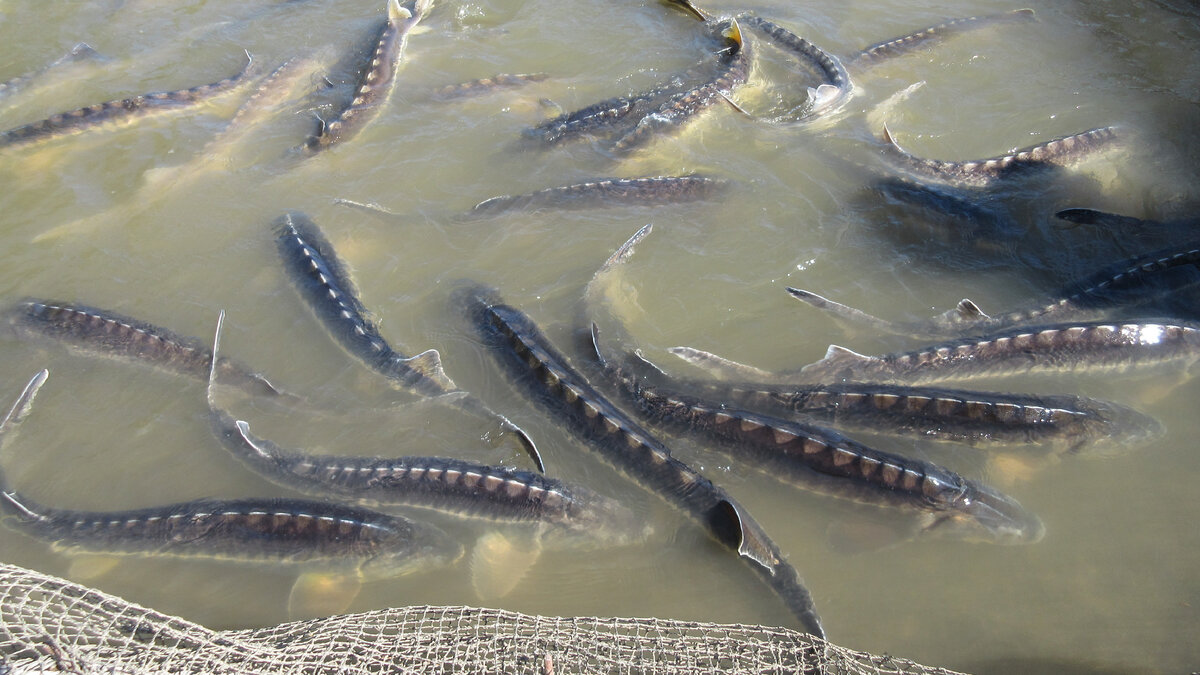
835,88
677,110
825,462
96,332
1091,346
1131,281
354,543
900,46
984,172
609,192
487,85
80,52
523,349
121,112
377,80
604,115
324,283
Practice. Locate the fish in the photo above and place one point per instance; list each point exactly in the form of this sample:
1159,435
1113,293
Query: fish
900,46
525,351
486,85
1099,346
121,112
80,52
688,8
1136,280
21,407
353,543
984,172
377,81
272,93
89,331
324,282
609,192
834,90
604,115
733,71
825,462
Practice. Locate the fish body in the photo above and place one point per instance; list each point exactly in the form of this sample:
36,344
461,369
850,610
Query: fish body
609,192
985,172
487,85
378,79
835,88
80,52
628,447
826,462
734,69
1090,346
889,49
97,332
120,112
603,115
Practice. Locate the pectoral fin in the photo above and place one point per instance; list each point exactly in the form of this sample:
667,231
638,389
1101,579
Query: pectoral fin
727,523
499,562
718,366
87,567
822,96
857,536
323,594
429,364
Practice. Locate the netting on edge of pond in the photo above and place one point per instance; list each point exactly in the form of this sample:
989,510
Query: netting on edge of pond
49,624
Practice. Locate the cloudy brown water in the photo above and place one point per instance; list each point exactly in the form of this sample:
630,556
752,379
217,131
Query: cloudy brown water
1113,585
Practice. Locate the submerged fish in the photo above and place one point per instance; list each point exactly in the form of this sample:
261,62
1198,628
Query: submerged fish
486,85
900,46
603,116
984,172
1091,346
1133,281
625,445
350,542
325,284
120,112
823,461
378,79
80,52
96,332
835,88
609,192
682,107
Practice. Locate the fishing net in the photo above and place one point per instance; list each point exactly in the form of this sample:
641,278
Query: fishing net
53,625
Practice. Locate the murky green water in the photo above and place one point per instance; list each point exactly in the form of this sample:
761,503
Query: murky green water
1113,586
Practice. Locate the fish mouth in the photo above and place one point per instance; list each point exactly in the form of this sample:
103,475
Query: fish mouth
987,515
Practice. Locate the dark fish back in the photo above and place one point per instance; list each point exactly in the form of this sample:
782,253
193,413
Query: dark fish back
895,47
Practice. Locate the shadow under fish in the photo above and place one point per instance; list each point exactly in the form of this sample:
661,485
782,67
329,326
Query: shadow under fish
335,547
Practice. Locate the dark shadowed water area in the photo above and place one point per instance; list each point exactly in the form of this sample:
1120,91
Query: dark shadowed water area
1113,586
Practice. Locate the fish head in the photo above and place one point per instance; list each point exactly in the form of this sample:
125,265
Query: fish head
413,547
981,514
595,520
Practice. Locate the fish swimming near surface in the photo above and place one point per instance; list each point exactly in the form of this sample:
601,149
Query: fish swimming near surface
377,80
486,85
1130,282
608,192
835,88
339,546
734,69
984,172
121,112
900,46
324,283
80,52
97,332
623,443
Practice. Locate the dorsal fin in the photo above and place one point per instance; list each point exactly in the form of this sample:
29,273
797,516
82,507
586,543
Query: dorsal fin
889,139
837,354
429,364
967,309
718,366
732,528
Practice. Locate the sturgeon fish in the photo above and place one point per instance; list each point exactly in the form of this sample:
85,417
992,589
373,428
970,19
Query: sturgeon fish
80,52
984,172
900,46
378,78
96,332
604,115
608,192
351,542
120,112
825,462
680,108
487,85
324,282
631,449
1132,281
835,88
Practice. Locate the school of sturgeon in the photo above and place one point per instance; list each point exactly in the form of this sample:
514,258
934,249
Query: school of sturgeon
352,524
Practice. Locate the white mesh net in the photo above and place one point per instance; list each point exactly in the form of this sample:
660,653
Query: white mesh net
53,625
